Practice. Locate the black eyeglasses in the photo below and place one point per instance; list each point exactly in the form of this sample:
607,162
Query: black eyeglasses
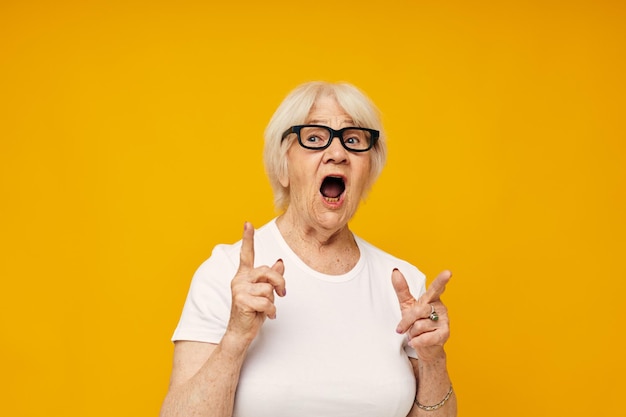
317,137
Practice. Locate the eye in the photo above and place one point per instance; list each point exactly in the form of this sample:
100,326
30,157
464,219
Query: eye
355,138
314,136
313,139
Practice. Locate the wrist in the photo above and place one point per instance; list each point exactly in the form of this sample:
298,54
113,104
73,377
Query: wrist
435,406
433,356
234,345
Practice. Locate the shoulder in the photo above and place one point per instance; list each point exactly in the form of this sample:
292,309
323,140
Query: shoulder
380,255
380,259
223,256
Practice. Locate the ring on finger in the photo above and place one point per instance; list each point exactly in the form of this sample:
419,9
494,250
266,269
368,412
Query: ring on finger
433,314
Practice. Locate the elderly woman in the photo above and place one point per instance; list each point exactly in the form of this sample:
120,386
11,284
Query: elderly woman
357,334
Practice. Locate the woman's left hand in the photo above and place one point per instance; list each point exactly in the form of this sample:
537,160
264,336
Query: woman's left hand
424,320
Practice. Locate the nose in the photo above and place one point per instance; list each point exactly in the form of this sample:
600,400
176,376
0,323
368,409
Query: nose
335,153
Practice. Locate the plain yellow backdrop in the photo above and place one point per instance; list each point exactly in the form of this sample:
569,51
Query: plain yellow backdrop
130,144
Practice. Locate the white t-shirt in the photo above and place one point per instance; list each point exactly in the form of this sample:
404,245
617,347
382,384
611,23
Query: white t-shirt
332,351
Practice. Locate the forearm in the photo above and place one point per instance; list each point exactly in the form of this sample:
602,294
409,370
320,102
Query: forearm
210,392
433,386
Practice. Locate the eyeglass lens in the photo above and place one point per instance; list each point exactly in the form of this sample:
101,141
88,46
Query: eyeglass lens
318,137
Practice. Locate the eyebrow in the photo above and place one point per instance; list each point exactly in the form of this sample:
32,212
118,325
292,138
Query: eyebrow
325,121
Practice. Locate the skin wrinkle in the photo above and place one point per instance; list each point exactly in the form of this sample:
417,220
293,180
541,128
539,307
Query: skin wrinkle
317,224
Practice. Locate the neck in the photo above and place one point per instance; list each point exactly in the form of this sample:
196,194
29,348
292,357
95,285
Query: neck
328,250
313,233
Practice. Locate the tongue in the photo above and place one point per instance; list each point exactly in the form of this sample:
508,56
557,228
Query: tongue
332,188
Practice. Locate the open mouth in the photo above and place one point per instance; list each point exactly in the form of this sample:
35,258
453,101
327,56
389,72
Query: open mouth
332,188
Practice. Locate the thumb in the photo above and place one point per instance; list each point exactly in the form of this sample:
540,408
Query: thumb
279,287
436,288
279,266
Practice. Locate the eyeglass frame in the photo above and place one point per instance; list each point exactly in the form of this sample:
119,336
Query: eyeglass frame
375,134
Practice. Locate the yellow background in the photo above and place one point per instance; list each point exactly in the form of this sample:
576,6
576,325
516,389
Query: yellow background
130,144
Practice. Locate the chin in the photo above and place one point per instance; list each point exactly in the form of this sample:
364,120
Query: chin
334,218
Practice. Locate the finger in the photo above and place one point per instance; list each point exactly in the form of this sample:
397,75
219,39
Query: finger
412,315
436,288
429,340
261,289
246,256
280,284
425,325
405,298
420,327
263,305
273,275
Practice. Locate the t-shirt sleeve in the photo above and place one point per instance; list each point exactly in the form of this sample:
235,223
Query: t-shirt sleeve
207,308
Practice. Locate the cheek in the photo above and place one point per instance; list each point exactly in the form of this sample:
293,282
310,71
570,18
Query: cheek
364,175
297,178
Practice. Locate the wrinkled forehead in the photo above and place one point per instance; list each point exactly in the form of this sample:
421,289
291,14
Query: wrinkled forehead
326,110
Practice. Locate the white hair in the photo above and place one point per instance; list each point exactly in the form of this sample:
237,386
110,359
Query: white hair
294,110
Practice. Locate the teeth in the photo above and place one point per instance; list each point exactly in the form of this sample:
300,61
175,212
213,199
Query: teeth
332,200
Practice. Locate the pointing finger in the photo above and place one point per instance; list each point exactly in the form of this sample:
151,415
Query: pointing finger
408,305
402,288
246,256
436,288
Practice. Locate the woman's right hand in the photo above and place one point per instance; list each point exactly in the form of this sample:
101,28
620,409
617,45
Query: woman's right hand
253,291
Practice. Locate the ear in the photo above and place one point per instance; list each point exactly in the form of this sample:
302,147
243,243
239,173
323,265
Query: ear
283,175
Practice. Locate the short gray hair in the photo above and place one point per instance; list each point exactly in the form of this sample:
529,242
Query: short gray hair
294,110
